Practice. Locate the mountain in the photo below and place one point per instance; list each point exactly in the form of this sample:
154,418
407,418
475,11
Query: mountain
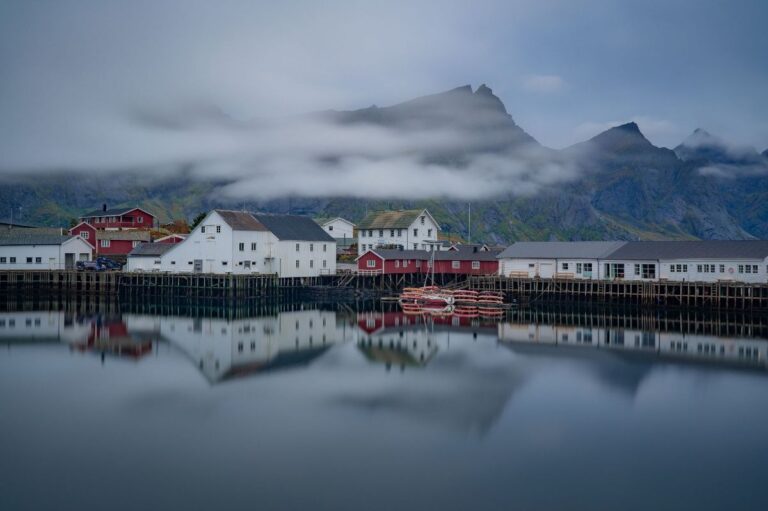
617,185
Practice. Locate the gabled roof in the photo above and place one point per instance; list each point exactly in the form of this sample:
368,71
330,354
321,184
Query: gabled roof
241,220
401,219
131,235
393,253
28,237
440,255
293,228
150,249
112,212
467,253
705,249
560,249
325,221
172,235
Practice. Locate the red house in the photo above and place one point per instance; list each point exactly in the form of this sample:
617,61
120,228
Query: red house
85,231
119,218
464,259
119,243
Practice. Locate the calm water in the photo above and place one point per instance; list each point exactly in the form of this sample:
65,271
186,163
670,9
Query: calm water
337,409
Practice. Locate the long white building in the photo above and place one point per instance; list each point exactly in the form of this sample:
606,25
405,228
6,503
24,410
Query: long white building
33,249
700,261
413,229
241,243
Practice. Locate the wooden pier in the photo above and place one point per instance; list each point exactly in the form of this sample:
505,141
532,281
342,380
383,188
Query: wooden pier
718,295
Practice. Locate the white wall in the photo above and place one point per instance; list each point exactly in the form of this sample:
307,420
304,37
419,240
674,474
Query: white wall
405,237
339,228
315,258
730,271
144,263
52,257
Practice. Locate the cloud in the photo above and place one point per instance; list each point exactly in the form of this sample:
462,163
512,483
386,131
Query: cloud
546,84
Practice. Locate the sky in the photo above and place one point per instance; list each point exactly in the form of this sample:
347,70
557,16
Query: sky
73,72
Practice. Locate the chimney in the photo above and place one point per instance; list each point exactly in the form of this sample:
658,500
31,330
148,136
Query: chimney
104,207
474,249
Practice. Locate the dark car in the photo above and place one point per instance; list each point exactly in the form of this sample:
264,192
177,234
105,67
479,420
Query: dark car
90,266
109,264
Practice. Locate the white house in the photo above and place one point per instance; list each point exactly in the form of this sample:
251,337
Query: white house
550,259
32,249
701,261
242,243
147,256
339,228
413,229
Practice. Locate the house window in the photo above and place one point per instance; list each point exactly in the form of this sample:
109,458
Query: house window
399,232
297,248
311,263
324,263
241,247
218,228
12,260
741,268
418,263
381,233
202,229
311,247
39,260
173,262
85,235
325,247
429,233
565,266
2,260
297,263
415,232
531,265
397,263
754,268
405,263
392,233
475,265
422,220
141,219
578,267
370,233
105,243
748,268
614,270
371,263
29,260
224,263
362,234
415,246
698,268
330,227
455,265
587,267
253,247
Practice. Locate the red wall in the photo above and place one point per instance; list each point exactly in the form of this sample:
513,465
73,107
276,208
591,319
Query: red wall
486,267
75,231
116,247
148,220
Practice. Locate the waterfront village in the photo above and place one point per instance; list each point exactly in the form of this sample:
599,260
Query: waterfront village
400,242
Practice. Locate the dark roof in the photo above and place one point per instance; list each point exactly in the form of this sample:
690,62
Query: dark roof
4,223
241,220
467,253
390,219
560,249
150,249
294,227
110,212
132,235
706,249
393,253
440,255
28,237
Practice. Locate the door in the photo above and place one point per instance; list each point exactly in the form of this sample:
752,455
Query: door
69,261
198,266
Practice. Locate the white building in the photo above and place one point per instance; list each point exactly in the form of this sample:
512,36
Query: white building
242,243
339,228
30,249
551,259
699,261
413,229
147,257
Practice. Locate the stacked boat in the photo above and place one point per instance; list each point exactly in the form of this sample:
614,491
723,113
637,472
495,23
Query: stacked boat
461,302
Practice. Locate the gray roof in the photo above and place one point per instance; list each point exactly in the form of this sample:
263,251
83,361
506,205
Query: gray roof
150,249
467,253
241,220
560,249
440,255
109,212
400,219
294,228
707,249
393,253
131,234
28,237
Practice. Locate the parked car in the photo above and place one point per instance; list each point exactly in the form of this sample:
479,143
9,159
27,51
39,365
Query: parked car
109,264
90,266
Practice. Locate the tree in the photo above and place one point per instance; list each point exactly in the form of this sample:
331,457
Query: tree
196,221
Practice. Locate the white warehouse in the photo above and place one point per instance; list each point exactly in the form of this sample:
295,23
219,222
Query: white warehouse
242,243
33,249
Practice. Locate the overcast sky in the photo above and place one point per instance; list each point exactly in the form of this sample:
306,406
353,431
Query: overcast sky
70,71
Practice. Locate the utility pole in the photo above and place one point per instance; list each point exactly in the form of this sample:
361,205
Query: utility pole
469,222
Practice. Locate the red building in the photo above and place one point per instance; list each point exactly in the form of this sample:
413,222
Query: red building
119,218
462,259
119,243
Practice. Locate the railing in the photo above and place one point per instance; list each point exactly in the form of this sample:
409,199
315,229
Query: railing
369,273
